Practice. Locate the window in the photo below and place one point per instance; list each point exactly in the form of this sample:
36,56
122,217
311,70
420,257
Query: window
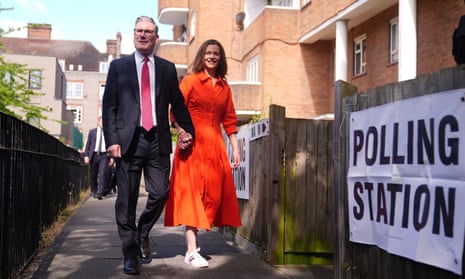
101,90
74,90
360,55
77,112
252,69
394,41
192,25
103,67
62,64
285,3
35,79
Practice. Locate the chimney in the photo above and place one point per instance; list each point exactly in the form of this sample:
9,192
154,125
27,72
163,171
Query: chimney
39,31
111,47
114,46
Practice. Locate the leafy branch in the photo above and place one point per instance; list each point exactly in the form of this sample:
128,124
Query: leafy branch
15,94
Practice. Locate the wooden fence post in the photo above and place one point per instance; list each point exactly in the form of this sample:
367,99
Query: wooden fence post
341,90
276,225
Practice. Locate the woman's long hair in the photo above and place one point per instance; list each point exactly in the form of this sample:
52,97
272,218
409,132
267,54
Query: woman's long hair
199,65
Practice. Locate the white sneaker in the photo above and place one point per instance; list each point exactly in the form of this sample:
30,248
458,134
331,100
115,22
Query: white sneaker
195,259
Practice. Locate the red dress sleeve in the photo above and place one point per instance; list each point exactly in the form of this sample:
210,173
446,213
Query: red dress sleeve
230,117
185,86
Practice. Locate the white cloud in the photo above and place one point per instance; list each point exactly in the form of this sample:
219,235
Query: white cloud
19,27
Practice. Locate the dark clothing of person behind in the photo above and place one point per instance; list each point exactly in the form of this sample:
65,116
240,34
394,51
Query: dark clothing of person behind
95,151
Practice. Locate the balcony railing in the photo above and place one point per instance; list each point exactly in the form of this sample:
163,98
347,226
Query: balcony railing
173,12
175,52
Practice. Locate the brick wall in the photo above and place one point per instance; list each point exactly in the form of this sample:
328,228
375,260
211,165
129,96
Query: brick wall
436,20
318,12
436,23
379,70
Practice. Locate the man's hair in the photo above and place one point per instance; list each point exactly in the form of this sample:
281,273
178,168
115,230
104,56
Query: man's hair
149,19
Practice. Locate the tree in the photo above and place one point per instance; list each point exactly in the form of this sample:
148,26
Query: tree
15,95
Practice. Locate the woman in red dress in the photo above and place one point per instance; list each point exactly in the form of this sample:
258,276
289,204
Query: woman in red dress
202,191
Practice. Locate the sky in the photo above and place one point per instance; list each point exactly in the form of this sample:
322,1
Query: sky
82,20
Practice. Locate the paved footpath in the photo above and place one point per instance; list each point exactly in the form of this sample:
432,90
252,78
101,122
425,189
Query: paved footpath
89,247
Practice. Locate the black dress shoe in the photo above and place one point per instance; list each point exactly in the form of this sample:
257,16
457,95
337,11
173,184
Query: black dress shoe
145,253
131,266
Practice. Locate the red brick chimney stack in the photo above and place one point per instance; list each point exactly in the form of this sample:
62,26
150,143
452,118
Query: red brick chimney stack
39,31
114,46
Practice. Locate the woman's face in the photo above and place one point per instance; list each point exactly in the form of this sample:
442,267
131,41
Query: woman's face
212,57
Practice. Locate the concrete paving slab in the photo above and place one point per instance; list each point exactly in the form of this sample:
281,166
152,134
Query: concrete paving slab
89,247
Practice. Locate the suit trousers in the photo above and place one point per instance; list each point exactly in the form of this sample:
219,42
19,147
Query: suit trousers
143,155
98,169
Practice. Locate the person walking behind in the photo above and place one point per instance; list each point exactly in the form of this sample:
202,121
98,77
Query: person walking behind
139,90
95,154
202,191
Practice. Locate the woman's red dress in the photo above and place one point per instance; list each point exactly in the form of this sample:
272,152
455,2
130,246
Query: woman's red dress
202,191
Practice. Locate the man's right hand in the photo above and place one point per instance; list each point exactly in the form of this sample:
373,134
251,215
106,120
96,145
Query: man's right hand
185,140
114,151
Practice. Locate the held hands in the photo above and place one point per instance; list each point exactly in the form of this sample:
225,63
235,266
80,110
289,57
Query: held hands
114,151
184,140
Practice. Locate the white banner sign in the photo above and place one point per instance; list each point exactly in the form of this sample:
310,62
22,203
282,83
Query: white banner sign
241,173
406,180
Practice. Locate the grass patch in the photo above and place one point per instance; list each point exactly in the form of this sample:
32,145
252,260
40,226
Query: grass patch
49,234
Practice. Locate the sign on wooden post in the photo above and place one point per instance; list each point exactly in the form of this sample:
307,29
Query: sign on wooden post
406,181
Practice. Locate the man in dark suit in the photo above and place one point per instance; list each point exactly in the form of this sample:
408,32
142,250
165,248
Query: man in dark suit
95,154
139,90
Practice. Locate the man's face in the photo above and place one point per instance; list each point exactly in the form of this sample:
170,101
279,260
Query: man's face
145,37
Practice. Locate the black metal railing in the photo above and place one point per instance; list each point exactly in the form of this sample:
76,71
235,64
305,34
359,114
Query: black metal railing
39,177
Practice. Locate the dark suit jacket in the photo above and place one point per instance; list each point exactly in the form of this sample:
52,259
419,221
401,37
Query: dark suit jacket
91,142
121,103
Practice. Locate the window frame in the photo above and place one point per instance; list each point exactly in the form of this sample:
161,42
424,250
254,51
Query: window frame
103,67
359,55
253,67
71,87
394,40
35,79
77,113
192,26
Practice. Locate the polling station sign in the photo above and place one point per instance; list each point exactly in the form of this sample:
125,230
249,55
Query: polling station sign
406,178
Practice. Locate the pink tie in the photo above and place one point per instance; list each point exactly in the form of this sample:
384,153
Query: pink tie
147,120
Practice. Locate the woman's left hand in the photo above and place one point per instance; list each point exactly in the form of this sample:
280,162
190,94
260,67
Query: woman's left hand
237,159
184,140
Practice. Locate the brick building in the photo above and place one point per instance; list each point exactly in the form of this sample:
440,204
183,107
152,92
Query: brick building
290,52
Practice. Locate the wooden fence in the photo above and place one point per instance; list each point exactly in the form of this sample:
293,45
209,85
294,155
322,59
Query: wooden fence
289,213
352,260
